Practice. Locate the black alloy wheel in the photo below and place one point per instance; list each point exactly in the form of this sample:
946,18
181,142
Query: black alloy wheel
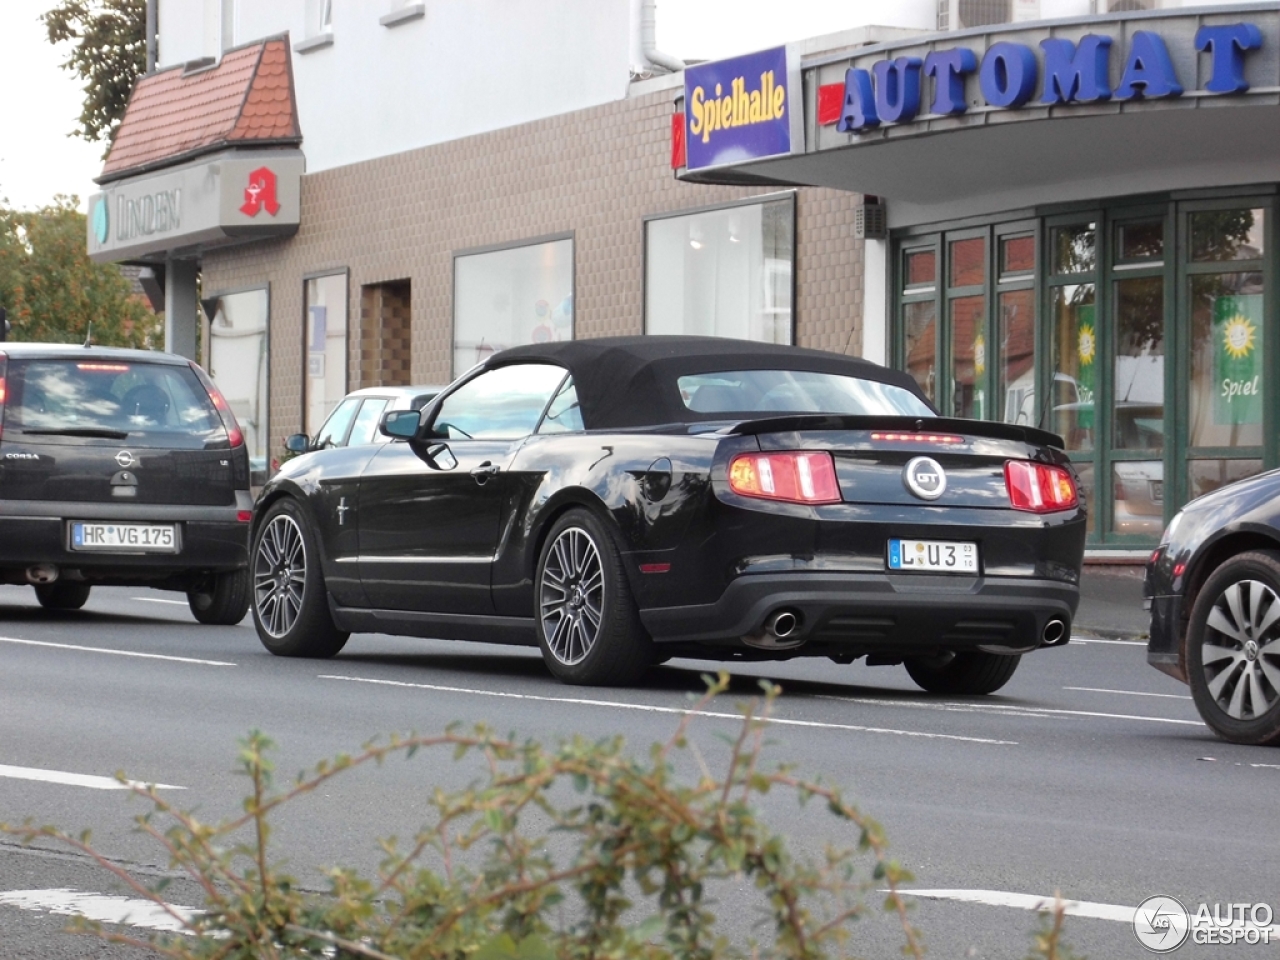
290,604
968,672
588,626
1233,649
221,599
63,595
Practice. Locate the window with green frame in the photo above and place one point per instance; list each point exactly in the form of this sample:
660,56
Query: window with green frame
1135,331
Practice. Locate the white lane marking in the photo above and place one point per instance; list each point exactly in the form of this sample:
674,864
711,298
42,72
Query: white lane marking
1131,693
118,653
100,907
680,711
181,603
1026,901
1121,643
75,779
1003,709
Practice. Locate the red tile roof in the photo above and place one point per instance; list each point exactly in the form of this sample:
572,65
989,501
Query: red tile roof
247,99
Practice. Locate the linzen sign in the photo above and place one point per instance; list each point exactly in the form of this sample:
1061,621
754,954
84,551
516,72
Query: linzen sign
892,91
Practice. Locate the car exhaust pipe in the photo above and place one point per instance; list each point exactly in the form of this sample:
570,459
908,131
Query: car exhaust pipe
782,624
780,632
41,573
1055,631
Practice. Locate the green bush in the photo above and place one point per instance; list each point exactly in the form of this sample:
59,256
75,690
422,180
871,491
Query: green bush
641,853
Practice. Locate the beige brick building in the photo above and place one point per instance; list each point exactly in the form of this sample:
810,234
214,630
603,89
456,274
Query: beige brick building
395,224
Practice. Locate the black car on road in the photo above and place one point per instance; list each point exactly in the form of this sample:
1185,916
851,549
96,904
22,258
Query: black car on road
1213,588
622,501
121,467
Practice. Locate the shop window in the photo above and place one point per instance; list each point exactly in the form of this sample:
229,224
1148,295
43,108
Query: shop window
1227,235
239,362
1017,256
384,353
1227,330
1140,242
324,375
723,273
512,296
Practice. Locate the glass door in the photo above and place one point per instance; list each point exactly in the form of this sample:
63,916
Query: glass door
1224,282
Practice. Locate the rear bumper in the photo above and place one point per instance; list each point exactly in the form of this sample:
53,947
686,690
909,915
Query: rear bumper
33,531
876,613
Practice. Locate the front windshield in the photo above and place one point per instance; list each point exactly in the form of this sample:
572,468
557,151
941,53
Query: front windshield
796,391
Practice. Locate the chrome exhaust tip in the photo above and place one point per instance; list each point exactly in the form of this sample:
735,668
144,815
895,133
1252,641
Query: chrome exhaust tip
42,573
1055,632
782,624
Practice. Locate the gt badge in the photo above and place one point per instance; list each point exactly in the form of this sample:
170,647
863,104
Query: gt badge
925,478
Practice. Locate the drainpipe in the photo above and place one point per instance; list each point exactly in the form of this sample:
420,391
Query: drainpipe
153,15
648,40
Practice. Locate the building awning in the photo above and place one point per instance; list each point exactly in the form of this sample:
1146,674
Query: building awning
244,100
1040,114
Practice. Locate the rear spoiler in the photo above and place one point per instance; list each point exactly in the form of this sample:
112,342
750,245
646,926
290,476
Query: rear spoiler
990,429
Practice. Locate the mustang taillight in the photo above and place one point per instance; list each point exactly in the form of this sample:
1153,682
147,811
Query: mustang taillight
234,436
797,477
1039,487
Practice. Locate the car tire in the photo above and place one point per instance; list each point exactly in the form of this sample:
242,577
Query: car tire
1233,649
290,602
588,626
63,595
970,672
222,599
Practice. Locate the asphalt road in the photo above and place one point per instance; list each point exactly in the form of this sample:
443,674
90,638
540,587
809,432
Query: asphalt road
1090,773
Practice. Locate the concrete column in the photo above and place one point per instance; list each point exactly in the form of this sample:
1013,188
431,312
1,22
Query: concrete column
875,301
181,309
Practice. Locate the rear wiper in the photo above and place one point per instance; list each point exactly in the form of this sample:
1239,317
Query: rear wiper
82,432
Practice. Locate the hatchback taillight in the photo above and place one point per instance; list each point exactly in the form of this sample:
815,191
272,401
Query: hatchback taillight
797,477
1039,487
4,364
234,436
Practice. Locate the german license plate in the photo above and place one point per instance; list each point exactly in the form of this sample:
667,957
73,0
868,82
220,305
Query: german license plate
946,556
147,537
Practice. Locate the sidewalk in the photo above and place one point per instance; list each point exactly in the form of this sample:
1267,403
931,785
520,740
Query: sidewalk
1111,603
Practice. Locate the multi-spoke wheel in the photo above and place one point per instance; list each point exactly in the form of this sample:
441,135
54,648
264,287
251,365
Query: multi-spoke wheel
1233,649
290,608
588,627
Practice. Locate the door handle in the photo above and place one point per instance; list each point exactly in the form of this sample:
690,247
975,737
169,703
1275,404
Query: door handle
483,472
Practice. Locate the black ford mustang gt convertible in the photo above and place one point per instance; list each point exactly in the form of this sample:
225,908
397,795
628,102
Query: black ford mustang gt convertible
622,501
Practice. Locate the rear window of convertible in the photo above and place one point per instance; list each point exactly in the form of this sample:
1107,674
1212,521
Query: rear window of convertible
796,391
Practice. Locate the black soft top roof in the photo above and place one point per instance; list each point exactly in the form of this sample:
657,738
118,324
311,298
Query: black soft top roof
631,381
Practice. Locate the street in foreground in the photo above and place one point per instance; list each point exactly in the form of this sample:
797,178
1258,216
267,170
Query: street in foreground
1089,773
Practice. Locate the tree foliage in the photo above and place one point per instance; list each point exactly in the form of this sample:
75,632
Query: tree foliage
109,53
53,291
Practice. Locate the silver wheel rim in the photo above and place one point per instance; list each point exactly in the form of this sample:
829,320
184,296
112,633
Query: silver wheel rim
1241,650
279,575
571,596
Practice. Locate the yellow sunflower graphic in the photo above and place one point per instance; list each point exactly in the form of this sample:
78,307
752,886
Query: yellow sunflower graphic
1087,345
1238,337
979,355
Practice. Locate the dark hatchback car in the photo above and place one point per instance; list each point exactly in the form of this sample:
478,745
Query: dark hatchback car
121,467
1213,588
622,501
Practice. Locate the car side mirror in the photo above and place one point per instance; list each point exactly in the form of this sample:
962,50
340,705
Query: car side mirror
297,443
400,424
438,456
